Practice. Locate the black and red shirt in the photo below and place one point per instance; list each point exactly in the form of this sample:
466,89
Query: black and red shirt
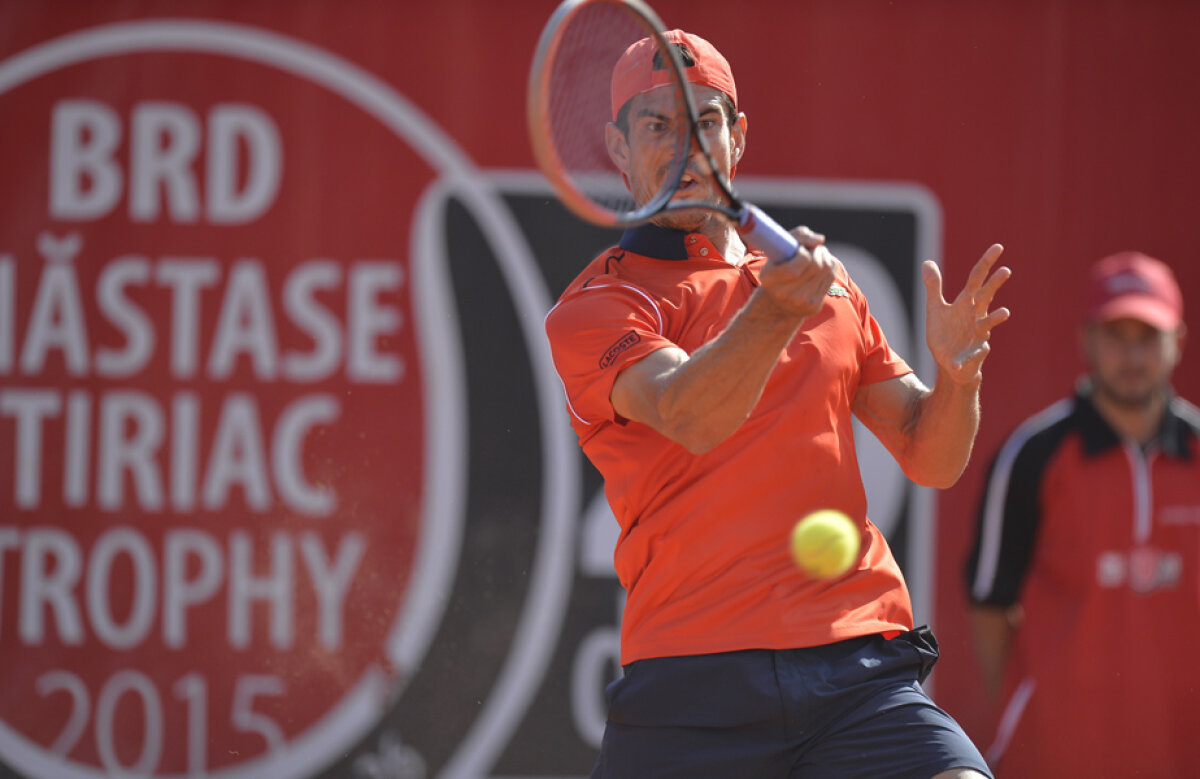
1098,540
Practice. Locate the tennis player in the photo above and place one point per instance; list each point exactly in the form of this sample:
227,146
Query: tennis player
715,394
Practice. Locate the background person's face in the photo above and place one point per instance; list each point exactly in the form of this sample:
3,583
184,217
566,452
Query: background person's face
1131,362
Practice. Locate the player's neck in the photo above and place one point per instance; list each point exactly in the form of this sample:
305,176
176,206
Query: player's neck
726,240
719,231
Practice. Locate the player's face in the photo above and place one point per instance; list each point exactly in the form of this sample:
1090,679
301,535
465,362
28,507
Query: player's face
1131,362
647,153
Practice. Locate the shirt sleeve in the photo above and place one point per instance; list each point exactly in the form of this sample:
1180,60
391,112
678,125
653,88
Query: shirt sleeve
594,334
880,362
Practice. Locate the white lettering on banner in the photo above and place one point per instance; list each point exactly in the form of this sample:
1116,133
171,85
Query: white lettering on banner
275,588
7,312
83,139
316,321
86,180
131,433
164,142
130,442
237,457
185,427
131,544
230,125
75,460
152,714
57,319
367,321
192,688
30,408
196,347
292,426
186,278
245,326
120,311
193,566
44,584
180,592
131,430
331,584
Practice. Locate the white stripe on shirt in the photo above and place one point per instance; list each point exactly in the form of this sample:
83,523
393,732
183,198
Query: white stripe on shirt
992,530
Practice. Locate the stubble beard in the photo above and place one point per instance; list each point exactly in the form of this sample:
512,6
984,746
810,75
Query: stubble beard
691,220
1128,399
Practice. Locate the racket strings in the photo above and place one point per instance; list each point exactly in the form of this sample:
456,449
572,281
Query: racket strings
570,106
578,76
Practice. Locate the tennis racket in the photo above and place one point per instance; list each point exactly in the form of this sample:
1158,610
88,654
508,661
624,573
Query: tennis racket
570,104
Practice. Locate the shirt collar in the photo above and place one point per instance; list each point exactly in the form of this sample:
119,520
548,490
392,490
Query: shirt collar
661,243
1175,438
1178,438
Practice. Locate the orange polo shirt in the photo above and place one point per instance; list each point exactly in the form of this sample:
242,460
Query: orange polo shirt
703,550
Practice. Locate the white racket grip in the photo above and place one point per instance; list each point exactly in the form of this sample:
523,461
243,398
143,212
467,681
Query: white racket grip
764,233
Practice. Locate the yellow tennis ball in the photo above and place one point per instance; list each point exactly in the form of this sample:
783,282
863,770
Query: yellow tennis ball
825,543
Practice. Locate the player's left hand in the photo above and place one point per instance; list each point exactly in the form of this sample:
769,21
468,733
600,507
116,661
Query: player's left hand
957,333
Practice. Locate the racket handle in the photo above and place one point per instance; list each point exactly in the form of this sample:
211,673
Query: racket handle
764,233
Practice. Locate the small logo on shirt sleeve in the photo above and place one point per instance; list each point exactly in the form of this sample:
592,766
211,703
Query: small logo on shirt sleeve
620,345
837,291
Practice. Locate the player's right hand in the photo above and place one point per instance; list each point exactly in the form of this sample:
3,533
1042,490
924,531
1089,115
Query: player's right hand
798,287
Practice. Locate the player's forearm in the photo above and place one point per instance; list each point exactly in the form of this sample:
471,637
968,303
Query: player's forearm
943,431
708,397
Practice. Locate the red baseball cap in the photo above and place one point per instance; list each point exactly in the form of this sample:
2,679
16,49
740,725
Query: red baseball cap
1137,286
637,72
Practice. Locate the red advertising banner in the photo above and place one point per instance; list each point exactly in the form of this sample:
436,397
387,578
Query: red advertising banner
216,481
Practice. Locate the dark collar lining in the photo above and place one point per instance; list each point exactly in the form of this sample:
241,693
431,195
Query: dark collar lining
1173,438
1097,435
1178,438
661,243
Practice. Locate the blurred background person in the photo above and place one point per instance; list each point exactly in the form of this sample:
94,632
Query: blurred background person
1084,576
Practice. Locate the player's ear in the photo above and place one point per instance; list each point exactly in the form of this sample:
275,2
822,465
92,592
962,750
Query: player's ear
1180,338
618,146
738,135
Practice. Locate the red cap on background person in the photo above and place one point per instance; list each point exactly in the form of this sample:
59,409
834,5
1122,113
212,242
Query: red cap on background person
1135,286
637,71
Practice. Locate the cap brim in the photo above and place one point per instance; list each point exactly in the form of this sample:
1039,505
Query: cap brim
1148,310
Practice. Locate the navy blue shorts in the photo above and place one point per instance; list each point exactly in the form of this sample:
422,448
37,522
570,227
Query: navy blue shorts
850,709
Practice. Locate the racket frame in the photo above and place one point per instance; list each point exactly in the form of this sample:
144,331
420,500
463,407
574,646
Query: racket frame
751,221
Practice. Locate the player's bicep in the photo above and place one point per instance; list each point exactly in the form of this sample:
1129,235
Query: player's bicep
636,391
889,409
